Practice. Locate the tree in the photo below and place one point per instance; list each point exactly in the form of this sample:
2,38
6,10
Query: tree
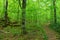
23,16
19,6
54,6
6,14
19,1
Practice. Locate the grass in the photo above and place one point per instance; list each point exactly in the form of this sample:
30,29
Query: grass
15,32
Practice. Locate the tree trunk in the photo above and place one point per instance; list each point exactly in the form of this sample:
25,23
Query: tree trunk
19,1
19,6
23,15
54,5
6,14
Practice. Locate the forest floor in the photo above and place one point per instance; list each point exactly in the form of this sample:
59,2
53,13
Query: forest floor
4,35
36,35
52,35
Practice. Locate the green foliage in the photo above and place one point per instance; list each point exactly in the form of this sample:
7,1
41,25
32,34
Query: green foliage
38,12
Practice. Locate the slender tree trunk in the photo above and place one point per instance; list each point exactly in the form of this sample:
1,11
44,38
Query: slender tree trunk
19,6
19,1
54,5
6,14
23,15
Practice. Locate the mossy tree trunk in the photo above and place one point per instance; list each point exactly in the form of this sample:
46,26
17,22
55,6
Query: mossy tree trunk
6,14
23,16
54,8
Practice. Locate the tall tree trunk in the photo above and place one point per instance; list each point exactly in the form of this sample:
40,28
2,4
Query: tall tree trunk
19,6
6,14
54,5
19,1
23,15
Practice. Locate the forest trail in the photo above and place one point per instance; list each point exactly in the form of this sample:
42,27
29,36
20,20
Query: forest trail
52,35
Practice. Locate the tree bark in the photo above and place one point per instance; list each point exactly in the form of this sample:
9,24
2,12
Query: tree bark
23,16
54,6
6,14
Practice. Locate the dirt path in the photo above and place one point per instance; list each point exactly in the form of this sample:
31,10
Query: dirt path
50,33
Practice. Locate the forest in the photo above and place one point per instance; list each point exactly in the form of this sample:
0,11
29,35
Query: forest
29,20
